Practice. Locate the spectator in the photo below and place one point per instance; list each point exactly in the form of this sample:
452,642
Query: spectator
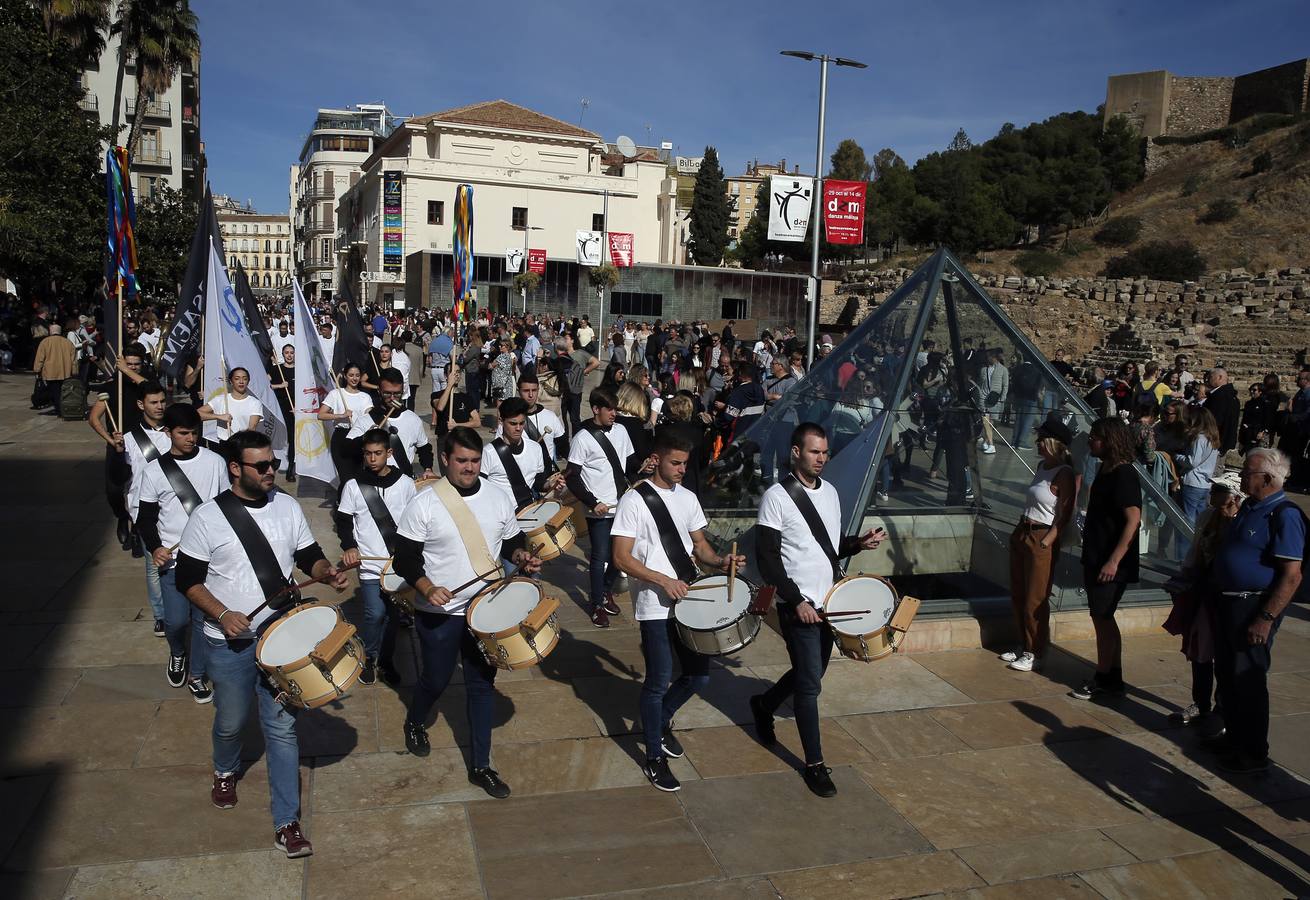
1180,369
56,360
1296,432
1263,421
1196,465
1223,404
1025,389
993,387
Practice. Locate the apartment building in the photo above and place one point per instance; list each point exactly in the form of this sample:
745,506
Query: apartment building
261,243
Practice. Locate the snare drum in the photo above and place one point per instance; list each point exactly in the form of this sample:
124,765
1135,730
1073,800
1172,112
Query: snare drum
548,527
711,624
400,590
514,623
311,654
870,635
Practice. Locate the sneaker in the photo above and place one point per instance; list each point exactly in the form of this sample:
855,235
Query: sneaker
611,608
657,770
599,617
1093,688
291,839
200,691
818,778
176,671
1011,655
416,739
1023,664
1241,764
1219,743
489,781
989,448
763,722
883,497
224,793
934,473
1187,716
159,627
672,746
370,673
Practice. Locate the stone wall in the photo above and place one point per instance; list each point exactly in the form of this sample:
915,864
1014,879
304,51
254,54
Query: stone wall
1198,104
1281,89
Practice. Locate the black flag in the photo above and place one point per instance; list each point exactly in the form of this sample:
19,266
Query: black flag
352,344
254,321
182,345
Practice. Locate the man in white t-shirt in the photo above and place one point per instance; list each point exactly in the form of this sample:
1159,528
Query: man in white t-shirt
640,553
368,539
400,362
530,477
172,487
431,555
601,464
411,451
541,424
283,338
791,557
216,574
144,442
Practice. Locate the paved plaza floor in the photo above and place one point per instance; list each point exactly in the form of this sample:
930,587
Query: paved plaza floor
956,775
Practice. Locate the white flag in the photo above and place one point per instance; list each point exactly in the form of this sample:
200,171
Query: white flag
228,346
514,257
313,381
588,248
790,200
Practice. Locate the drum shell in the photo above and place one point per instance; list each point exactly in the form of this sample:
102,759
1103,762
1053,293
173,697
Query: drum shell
309,682
547,543
722,639
517,647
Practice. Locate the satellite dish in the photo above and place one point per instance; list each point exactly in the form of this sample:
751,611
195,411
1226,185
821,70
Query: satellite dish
626,146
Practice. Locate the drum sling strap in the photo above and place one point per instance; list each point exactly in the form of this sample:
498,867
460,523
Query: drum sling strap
670,534
397,446
470,533
377,508
181,485
148,448
796,491
258,550
522,493
620,477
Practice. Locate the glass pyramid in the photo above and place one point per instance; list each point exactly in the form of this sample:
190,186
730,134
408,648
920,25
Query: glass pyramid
901,401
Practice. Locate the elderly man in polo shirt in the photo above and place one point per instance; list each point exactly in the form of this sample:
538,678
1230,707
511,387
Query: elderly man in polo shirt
1256,572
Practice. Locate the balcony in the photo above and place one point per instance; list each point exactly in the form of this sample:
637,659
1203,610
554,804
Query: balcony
89,102
190,118
149,156
317,193
189,162
318,228
150,109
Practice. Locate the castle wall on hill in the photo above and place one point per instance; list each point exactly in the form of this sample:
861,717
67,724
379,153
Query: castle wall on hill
1281,89
1198,104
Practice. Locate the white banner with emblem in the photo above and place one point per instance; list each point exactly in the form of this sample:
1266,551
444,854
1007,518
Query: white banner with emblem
791,198
589,249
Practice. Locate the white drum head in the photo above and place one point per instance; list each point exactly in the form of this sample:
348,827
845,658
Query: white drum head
293,637
861,592
537,516
504,607
707,606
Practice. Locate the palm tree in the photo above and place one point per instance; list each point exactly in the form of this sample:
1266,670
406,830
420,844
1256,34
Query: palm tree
83,24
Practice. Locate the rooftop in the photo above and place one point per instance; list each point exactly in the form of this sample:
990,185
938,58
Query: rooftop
503,114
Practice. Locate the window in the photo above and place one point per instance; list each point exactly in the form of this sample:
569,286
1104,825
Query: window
518,219
597,221
734,188
632,303
232,263
732,232
277,246
268,280
436,212
735,308
325,250
266,265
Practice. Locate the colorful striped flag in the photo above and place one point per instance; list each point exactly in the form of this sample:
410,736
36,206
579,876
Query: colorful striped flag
462,248
120,215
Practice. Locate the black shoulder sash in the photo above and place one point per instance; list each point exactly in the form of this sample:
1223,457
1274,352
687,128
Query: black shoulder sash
148,448
258,550
796,491
522,493
181,485
620,477
670,534
377,508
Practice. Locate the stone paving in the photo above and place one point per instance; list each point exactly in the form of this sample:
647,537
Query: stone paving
957,777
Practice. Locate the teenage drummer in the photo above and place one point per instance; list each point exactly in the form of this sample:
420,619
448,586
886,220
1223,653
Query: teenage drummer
219,570
444,538
371,504
797,545
517,465
411,452
658,527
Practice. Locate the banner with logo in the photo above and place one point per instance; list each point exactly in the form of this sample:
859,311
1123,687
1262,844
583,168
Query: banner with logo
313,381
620,249
537,261
790,199
514,259
588,248
843,211
393,223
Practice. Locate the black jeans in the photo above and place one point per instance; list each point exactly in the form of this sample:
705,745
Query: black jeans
573,409
1242,670
809,646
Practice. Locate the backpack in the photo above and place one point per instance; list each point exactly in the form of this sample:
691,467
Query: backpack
1145,395
1302,592
72,400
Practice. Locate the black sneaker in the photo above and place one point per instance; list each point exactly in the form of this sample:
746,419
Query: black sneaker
489,781
416,739
370,673
763,722
818,778
176,671
1241,764
200,691
390,675
657,770
159,629
1093,689
672,746
610,606
123,532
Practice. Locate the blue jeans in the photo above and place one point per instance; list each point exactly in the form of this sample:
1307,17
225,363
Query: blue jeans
379,631
661,696
602,572
1025,413
179,618
237,681
443,639
1194,502
809,647
153,590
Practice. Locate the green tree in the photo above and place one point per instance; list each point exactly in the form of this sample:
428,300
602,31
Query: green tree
1123,152
164,226
849,162
891,197
709,212
960,142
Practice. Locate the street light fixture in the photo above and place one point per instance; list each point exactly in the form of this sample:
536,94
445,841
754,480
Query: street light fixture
823,59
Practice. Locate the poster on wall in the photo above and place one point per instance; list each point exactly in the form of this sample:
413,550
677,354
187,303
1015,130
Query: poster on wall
790,199
537,261
843,211
514,259
620,249
588,248
393,223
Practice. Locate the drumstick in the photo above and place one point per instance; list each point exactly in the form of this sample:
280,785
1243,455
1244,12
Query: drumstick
297,587
732,570
374,558
844,612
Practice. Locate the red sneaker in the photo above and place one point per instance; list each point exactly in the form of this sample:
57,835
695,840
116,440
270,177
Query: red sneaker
292,840
610,606
224,793
599,617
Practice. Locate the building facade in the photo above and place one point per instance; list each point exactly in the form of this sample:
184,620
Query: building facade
337,143
261,244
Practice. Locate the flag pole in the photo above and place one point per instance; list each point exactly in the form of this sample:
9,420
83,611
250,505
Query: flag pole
120,374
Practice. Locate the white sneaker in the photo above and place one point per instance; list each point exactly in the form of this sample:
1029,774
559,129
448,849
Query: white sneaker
1024,663
989,448
1011,655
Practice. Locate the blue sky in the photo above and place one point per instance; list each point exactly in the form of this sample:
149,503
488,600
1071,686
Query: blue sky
702,73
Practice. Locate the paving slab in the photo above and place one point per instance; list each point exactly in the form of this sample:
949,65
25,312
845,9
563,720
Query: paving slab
753,888
896,682
267,873
1050,854
1289,743
984,726
734,750
981,675
1212,874
879,879
1065,887
47,885
106,736
1159,839
37,687
902,735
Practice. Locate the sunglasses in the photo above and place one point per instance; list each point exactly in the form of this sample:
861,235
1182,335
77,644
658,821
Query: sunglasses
263,467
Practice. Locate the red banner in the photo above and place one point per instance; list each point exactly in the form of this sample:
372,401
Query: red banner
537,261
620,249
843,211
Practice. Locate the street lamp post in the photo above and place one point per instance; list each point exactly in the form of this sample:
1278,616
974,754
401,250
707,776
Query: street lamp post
816,207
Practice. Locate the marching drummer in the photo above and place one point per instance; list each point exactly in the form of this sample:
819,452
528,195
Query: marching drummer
797,545
658,527
447,542
517,465
542,425
220,570
371,505
408,439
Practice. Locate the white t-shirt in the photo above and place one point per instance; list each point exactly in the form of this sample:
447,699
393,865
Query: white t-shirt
802,558
137,461
231,578
548,425
242,411
358,404
633,520
400,362
207,473
329,345
409,428
597,474
529,459
367,534
445,561
279,342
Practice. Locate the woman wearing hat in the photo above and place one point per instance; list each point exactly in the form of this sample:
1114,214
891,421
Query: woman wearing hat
1036,541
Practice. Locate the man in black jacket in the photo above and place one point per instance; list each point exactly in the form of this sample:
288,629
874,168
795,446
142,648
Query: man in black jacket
1225,407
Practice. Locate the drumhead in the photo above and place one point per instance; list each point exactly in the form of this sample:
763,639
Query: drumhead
504,606
538,516
290,639
707,607
861,592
